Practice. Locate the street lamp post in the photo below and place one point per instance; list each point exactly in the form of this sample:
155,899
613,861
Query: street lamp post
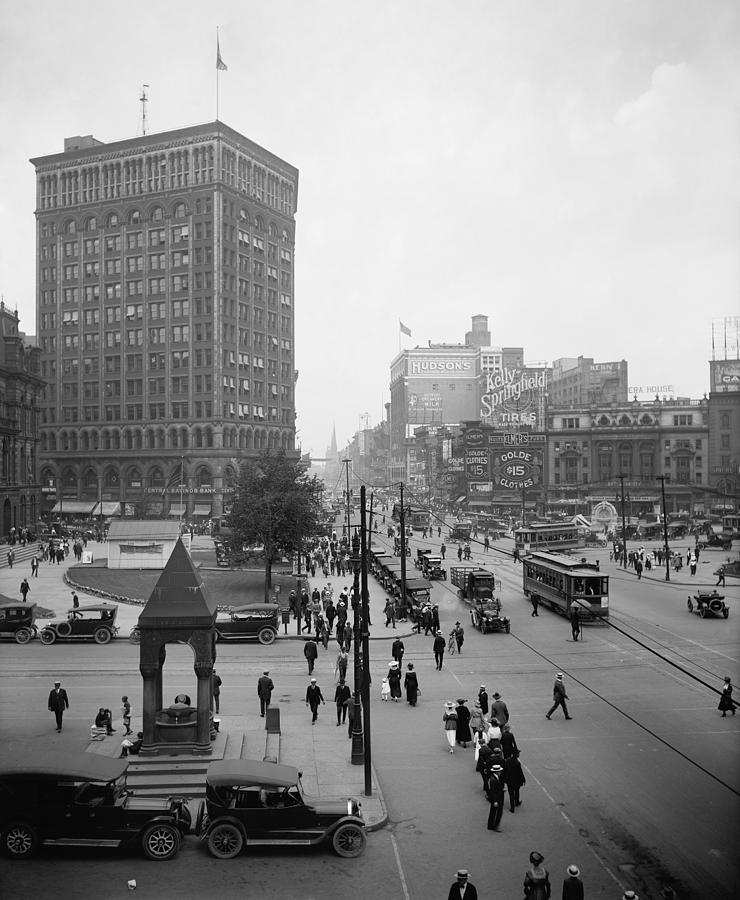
365,646
661,479
358,753
624,527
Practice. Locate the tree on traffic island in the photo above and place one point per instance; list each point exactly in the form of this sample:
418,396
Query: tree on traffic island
275,505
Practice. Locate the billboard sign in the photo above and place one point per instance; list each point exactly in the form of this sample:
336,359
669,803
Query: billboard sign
512,396
448,366
476,462
517,468
725,376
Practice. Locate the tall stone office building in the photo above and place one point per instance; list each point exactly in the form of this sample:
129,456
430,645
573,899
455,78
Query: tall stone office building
165,292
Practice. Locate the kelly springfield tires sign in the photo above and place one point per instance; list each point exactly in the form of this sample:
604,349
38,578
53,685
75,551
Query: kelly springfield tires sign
502,461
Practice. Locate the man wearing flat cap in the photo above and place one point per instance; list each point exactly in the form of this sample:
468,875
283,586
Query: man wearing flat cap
462,888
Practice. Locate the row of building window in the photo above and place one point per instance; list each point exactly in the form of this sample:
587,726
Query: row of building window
173,438
164,171
134,412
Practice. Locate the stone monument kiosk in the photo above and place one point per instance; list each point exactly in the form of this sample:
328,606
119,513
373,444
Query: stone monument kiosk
178,611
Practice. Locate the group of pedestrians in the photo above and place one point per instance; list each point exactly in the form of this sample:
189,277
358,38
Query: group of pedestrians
537,885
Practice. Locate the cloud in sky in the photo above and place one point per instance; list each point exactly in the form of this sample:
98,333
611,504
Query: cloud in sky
569,169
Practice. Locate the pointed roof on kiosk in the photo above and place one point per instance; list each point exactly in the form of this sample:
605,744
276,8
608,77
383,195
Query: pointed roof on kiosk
179,598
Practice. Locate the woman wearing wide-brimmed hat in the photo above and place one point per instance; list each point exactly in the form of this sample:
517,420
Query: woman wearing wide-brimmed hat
411,683
449,718
463,735
394,680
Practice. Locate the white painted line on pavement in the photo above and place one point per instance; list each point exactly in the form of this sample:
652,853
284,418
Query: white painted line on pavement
406,894
568,821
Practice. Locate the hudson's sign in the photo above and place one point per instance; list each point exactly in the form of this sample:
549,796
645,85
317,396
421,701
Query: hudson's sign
441,366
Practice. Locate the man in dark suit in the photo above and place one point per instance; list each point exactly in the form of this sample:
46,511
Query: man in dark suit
265,688
313,698
462,889
58,702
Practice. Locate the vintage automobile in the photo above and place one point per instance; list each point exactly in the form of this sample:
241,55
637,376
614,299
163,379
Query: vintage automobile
460,532
72,798
250,804
432,568
715,540
420,554
708,603
253,620
486,616
17,620
89,621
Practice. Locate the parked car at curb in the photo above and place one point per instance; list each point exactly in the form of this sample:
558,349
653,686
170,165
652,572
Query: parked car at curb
17,620
89,621
253,620
250,804
708,603
78,799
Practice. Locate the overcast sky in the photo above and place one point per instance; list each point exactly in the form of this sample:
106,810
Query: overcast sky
567,167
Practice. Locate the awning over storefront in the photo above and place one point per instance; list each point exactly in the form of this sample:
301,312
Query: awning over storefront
177,509
202,509
460,499
109,508
78,507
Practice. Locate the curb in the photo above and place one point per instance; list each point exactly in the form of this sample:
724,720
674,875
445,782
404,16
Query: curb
383,821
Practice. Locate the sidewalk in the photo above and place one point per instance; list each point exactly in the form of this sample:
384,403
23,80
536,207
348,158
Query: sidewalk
327,773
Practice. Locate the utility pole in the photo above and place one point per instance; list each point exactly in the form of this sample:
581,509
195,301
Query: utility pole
365,595
624,527
357,739
346,466
370,526
661,479
402,520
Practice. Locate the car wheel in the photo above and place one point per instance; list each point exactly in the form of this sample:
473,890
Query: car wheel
135,635
725,612
716,606
225,841
690,605
20,840
23,635
508,627
703,612
160,841
102,636
64,629
47,636
349,840
266,636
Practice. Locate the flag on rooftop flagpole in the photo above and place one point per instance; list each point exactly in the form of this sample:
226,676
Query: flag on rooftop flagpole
220,64
404,329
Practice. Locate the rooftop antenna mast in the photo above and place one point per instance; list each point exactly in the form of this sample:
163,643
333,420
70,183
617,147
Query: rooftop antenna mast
143,100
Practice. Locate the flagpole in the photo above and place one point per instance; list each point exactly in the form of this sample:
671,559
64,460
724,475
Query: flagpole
217,71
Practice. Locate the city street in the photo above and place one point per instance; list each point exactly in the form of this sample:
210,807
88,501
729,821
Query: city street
640,789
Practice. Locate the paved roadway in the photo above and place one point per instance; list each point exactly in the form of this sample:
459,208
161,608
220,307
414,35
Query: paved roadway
602,791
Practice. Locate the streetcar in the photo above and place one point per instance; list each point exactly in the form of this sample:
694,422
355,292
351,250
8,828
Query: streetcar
414,517
546,536
562,582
